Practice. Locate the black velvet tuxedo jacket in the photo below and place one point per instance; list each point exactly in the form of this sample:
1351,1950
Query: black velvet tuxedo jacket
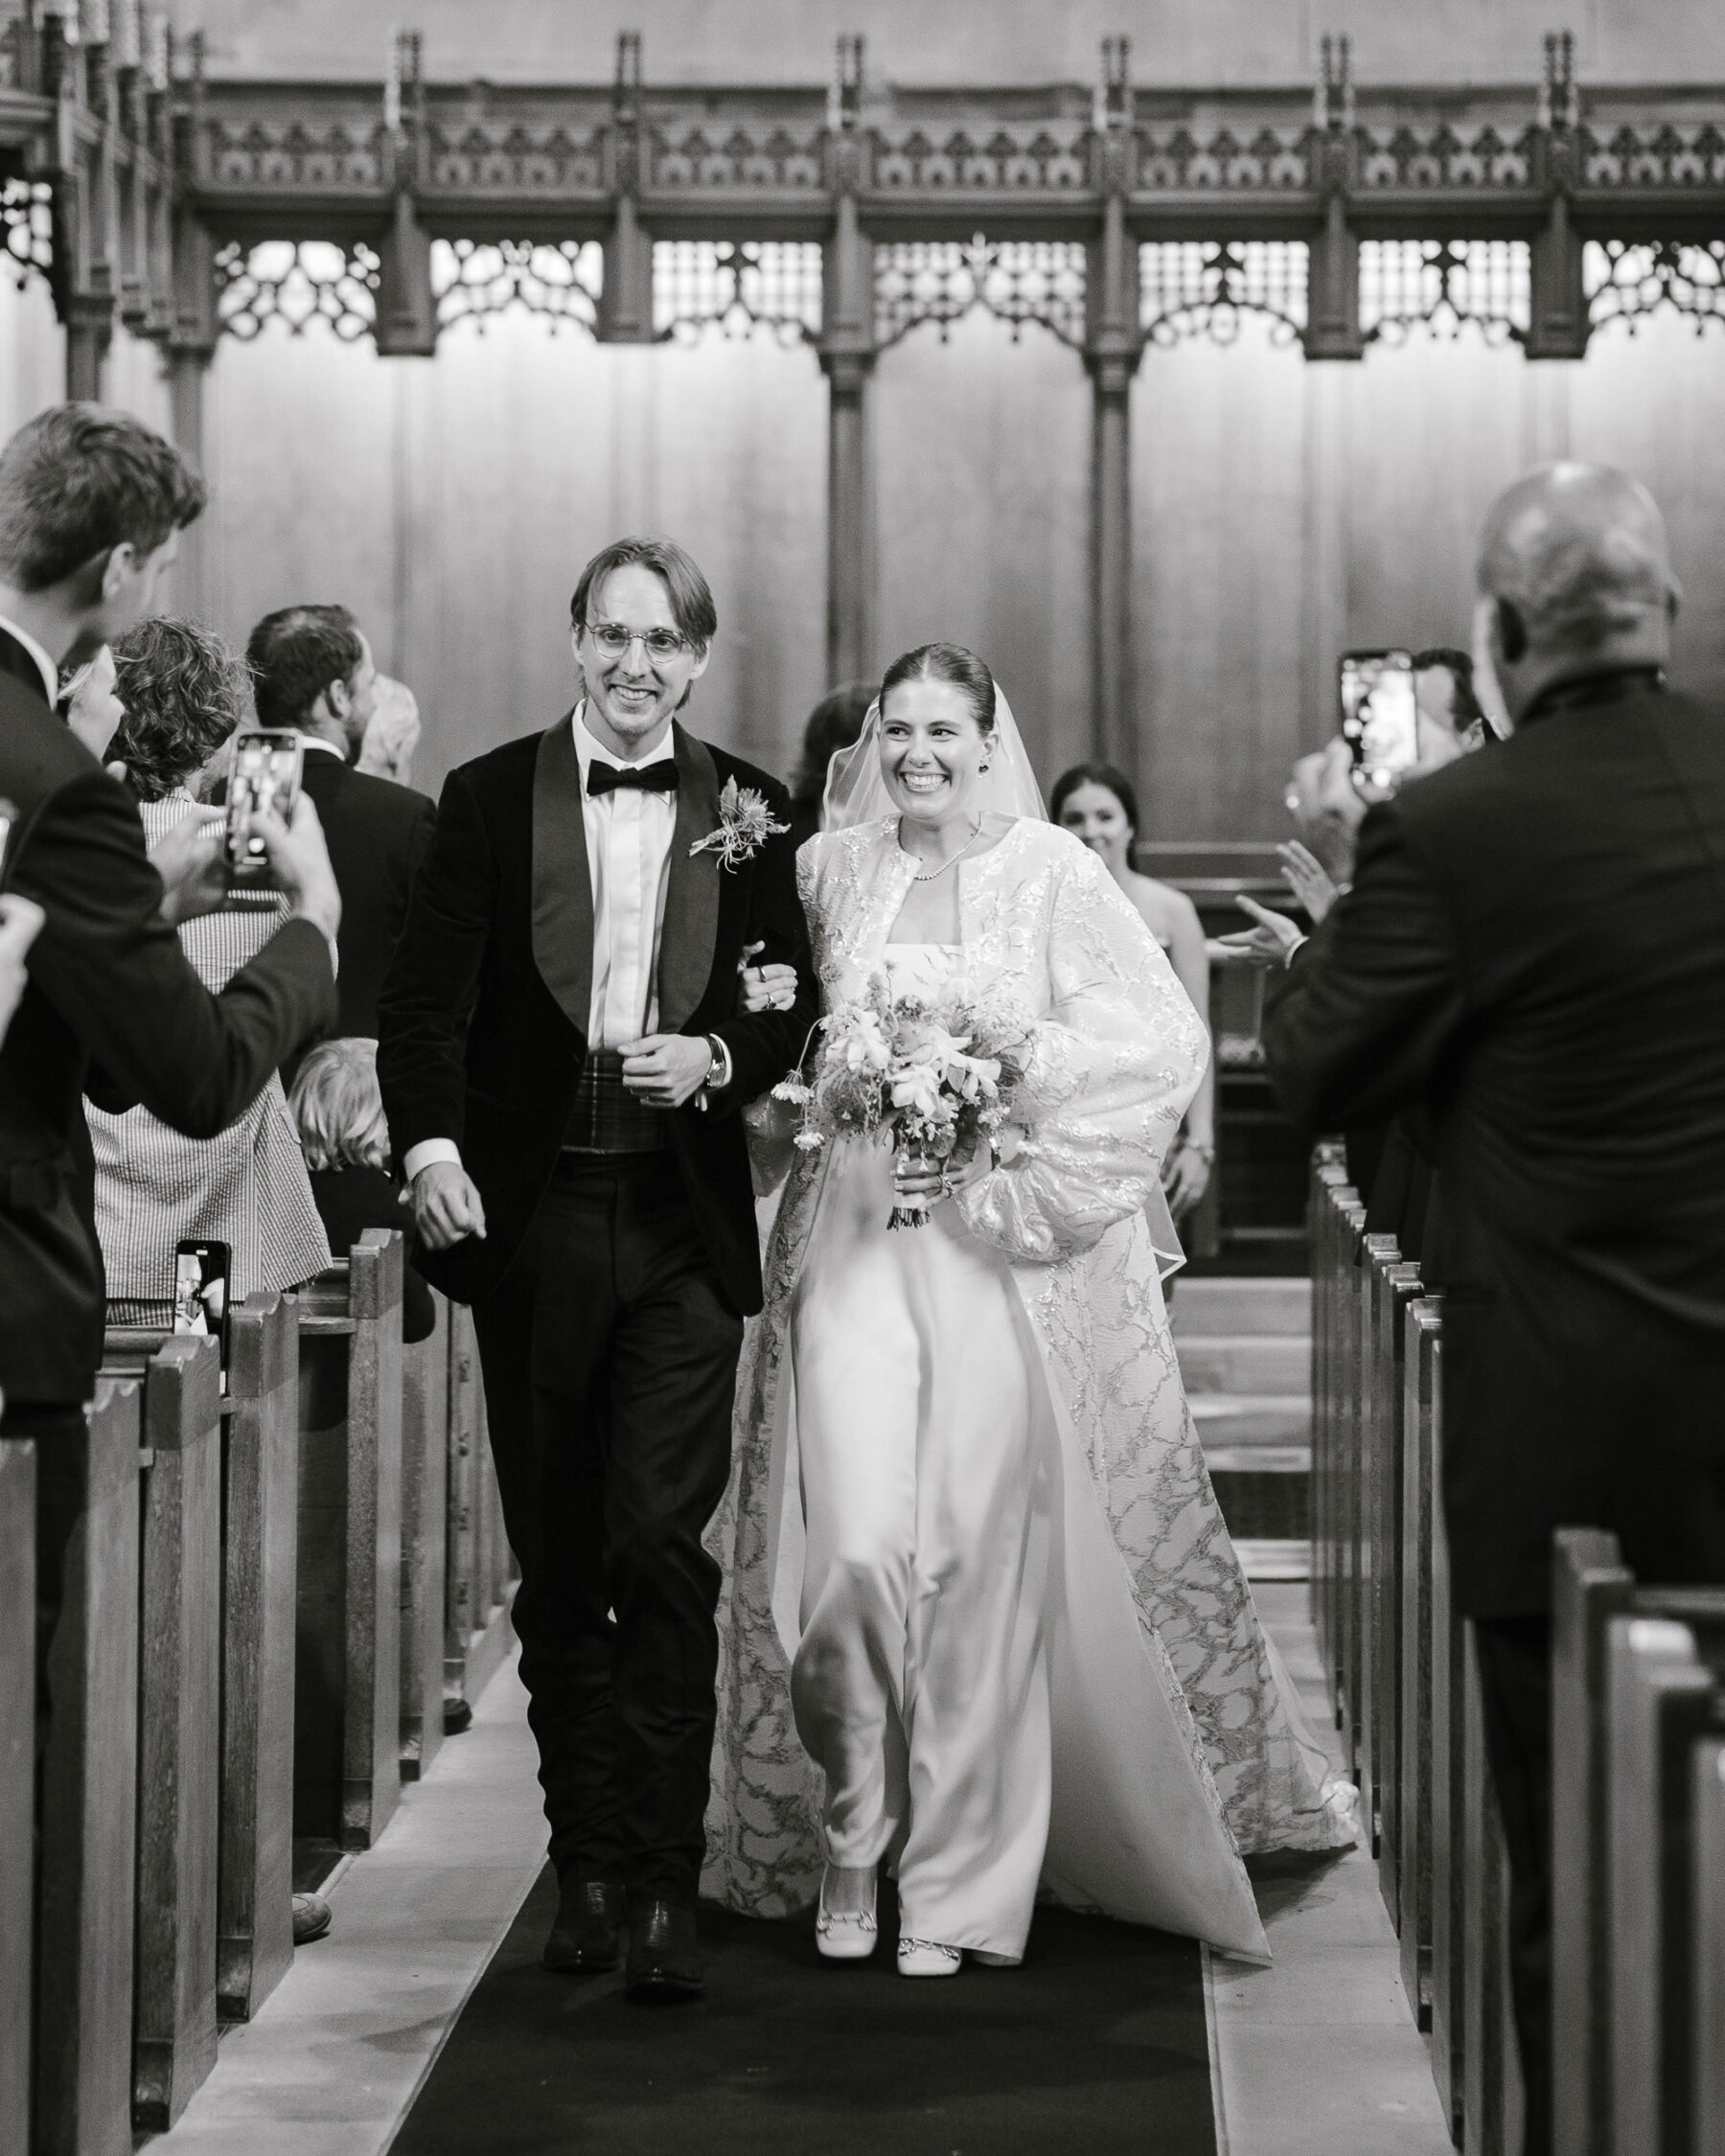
484,1016
377,834
113,1008
1533,958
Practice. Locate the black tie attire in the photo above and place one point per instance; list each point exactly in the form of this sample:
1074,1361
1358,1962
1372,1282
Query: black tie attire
1531,964
562,914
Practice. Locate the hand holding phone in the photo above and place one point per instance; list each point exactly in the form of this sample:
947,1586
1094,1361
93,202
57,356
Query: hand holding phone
1380,719
265,780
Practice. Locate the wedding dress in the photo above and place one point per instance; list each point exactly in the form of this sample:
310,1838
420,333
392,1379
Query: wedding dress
970,1547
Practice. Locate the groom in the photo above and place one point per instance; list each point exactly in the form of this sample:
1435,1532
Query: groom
562,1066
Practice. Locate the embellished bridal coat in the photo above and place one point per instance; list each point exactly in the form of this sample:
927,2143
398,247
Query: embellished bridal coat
1177,1746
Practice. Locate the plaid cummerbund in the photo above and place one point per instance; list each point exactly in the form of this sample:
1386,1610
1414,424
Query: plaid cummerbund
607,1119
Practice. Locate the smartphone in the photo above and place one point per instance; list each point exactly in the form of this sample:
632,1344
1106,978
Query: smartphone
9,816
201,1287
1379,716
265,776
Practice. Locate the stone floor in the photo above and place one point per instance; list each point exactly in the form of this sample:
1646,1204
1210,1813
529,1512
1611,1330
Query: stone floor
1317,2055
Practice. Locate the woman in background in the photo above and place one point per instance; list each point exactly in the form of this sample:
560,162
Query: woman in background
339,1112
183,692
1097,804
833,724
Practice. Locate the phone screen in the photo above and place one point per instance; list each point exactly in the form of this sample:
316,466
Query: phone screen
200,1286
1379,716
265,777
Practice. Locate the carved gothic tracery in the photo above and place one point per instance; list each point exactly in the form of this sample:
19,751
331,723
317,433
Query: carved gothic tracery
297,284
1203,289
701,285
471,279
1627,282
27,229
1444,287
1016,281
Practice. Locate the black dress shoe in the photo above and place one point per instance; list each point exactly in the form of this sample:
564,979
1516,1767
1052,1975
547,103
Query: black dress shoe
664,1954
586,1937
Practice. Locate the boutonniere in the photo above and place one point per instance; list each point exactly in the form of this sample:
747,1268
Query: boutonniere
744,825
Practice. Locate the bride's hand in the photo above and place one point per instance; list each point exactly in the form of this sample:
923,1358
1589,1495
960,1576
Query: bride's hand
916,1177
766,988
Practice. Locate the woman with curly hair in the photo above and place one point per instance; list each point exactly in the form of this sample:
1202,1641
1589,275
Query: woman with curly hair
184,694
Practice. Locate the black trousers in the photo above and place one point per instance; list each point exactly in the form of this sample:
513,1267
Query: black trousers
1515,1685
609,1360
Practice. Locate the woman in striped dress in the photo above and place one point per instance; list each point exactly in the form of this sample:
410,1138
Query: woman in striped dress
184,691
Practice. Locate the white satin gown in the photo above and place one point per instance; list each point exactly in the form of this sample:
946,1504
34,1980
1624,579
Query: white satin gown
982,1622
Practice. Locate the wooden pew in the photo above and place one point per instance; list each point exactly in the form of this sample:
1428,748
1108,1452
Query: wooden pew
84,1993
1350,1408
1443,1835
1661,1700
1419,1706
477,1632
1590,1585
179,1727
347,1722
1491,2099
1708,1964
1329,1177
424,1542
18,1780
260,1558
1390,1284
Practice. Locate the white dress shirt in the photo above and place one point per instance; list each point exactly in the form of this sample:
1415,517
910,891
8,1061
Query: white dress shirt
50,672
629,833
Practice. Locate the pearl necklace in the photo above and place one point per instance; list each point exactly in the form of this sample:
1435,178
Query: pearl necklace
951,861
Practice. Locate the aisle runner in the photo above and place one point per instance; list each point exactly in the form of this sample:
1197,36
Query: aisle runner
1096,2044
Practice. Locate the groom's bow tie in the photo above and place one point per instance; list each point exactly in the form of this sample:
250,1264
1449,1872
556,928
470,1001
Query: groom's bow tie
651,778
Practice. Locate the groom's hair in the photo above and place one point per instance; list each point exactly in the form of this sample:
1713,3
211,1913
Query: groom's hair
692,606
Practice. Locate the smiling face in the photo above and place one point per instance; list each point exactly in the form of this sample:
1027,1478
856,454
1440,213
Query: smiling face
1095,815
631,693
931,750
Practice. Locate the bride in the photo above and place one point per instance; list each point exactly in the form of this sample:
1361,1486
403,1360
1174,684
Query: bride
981,1623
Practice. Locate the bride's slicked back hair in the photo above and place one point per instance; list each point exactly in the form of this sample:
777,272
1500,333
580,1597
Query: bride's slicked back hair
947,663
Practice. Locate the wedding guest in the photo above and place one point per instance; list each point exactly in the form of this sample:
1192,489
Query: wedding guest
91,506
182,693
338,1112
392,733
1530,959
313,672
833,724
1098,805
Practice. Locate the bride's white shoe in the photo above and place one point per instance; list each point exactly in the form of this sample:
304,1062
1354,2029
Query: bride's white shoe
927,1958
845,1935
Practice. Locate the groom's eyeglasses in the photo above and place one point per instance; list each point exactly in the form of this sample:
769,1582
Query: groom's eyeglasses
614,641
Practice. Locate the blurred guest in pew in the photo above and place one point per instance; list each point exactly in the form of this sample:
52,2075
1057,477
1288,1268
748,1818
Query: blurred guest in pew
339,1113
392,733
1098,805
833,724
91,506
313,672
1531,963
181,693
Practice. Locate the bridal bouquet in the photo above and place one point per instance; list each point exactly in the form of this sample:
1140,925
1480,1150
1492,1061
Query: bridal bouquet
933,1070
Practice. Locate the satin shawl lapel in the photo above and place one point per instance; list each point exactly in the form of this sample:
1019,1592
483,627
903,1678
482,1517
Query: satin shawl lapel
562,884
690,931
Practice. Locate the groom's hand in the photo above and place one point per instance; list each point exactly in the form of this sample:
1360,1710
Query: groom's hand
446,1206
665,1069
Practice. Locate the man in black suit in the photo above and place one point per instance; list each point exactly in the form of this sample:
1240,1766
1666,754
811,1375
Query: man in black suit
562,1066
91,505
1533,958
313,671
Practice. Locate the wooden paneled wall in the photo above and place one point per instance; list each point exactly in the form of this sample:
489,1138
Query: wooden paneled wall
1282,510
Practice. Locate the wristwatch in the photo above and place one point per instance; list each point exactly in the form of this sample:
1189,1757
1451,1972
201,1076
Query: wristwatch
719,1076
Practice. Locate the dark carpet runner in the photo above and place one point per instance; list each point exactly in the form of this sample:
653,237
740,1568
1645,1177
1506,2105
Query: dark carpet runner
1094,2045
